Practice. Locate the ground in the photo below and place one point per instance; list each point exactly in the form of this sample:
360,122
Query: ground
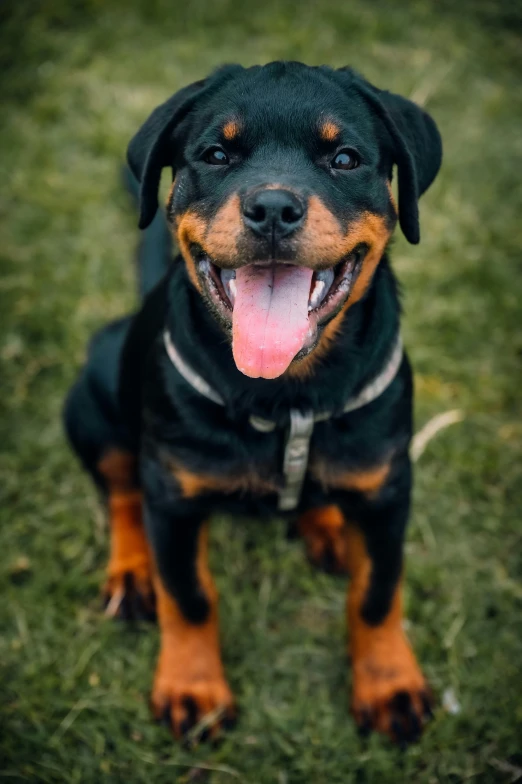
77,80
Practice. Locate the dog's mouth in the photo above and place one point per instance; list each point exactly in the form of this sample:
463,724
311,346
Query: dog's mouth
276,310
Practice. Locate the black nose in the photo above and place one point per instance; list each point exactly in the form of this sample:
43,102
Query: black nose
273,213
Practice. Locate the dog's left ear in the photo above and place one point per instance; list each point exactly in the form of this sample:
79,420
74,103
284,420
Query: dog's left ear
417,148
150,150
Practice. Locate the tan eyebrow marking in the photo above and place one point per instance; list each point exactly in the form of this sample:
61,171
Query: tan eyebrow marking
231,130
329,131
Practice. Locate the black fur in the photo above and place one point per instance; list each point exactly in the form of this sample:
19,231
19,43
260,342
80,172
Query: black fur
150,150
130,395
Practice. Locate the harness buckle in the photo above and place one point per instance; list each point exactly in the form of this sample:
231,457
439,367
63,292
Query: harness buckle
295,460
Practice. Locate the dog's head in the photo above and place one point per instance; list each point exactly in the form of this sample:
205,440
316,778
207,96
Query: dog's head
281,201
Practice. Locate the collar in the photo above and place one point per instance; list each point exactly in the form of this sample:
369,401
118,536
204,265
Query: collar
295,461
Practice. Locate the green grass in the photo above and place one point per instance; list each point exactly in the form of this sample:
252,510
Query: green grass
77,80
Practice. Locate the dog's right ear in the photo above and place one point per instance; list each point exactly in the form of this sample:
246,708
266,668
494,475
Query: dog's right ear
148,152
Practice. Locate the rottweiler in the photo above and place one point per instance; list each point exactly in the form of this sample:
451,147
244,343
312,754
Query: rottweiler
264,371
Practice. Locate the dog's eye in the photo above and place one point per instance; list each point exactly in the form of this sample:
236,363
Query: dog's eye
346,160
217,157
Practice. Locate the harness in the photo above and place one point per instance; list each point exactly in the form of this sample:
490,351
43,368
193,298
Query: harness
297,446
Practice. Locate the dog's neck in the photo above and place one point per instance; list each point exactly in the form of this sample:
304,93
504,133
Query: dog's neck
362,345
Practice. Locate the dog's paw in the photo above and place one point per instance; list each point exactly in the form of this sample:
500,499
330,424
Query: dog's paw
194,710
129,595
327,553
391,697
324,534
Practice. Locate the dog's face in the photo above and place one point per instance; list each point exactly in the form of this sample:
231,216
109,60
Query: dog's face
281,202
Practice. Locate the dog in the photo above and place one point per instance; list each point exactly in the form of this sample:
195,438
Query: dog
264,371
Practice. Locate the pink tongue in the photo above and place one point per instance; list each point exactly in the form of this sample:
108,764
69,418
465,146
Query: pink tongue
270,319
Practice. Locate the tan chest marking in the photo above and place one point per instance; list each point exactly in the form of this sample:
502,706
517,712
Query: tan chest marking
193,484
368,481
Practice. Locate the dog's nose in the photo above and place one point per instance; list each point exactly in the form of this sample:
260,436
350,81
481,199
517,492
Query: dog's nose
273,212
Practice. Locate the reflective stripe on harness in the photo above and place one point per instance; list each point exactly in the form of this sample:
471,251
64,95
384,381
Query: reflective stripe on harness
295,461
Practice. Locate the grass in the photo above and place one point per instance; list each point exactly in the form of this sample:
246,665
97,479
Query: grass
78,78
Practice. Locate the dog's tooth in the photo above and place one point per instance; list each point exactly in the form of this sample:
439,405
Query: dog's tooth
227,275
228,278
317,294
326,276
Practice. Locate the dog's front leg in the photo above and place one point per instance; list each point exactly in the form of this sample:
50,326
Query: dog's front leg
389,691
190,690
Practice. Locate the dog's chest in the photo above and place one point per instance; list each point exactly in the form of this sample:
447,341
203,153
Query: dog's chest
253,465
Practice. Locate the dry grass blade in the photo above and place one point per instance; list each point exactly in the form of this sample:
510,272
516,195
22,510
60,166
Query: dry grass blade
114,604
430,430
208,721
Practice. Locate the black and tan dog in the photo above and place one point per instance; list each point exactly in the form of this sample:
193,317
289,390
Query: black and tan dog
264,371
